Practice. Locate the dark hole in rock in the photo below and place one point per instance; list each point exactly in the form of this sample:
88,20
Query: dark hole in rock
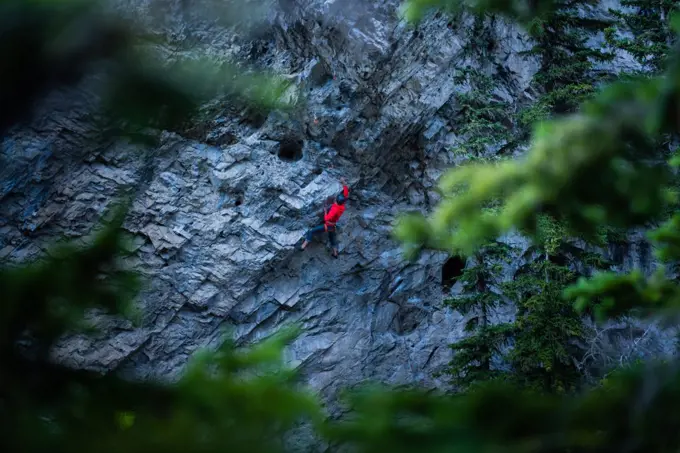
319,75
238,202
645,257
452,269
290,149
617,251
559,260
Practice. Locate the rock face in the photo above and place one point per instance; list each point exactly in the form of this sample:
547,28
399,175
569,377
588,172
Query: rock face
216,218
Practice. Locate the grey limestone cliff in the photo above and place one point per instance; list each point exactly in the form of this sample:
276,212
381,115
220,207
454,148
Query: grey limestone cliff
217,215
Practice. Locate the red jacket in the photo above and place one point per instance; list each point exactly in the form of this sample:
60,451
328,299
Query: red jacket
336,210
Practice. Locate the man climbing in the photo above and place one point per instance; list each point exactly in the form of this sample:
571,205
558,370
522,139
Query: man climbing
330,220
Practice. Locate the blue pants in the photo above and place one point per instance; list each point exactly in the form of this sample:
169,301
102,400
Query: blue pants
320,229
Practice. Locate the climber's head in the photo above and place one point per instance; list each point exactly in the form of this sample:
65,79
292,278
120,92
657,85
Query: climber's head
340,199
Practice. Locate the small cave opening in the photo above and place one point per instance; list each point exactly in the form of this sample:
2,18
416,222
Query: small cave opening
558,259
451,270
235,198
319,75
290,149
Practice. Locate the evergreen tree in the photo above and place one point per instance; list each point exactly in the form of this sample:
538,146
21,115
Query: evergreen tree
591,169
565,77
643,30
548,328
477,355
647,22
550,332
485,122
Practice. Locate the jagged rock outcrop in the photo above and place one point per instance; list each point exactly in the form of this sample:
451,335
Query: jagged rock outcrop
216,217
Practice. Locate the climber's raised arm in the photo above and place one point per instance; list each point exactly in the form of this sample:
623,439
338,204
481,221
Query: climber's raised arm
345,189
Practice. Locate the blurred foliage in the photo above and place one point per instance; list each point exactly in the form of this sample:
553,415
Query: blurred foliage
521,10
547,332
540,346
47,45
600,170
86,278
633,410
590,170
227,400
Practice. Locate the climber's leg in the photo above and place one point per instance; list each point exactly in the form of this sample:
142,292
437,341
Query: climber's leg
310,234
332,235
